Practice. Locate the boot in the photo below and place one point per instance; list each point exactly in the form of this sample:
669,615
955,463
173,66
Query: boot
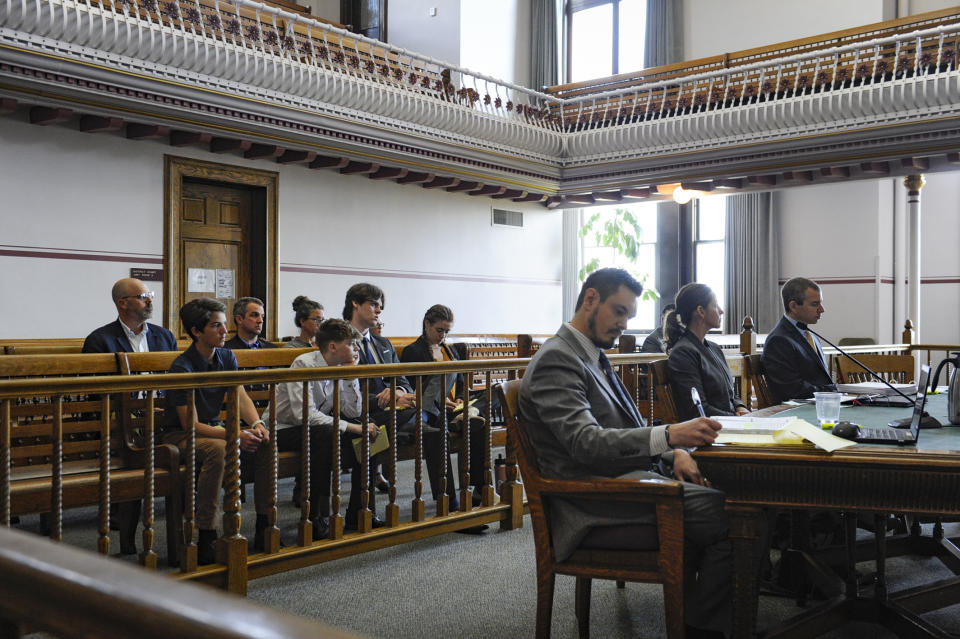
207,547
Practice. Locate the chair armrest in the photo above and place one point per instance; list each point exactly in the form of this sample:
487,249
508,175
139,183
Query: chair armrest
633,489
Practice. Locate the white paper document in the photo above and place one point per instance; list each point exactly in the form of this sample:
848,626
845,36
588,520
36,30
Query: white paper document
877,388
200,280
776,431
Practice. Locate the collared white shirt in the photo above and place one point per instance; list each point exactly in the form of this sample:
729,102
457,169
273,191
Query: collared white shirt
658,439
289,407
137,342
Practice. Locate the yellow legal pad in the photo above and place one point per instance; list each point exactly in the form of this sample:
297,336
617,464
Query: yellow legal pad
380,444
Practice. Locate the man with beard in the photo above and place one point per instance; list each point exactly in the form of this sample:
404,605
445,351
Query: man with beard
130,333
584,425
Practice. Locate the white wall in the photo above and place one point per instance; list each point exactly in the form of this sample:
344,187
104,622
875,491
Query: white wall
100,196
410,25
495,38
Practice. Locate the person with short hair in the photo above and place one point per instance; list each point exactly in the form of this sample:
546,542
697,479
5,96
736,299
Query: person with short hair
694,361
308,316
793,359
130,333
654,341
583,424
248,315
204,320
336,345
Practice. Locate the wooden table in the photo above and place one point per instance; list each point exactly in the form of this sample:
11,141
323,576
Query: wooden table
865,479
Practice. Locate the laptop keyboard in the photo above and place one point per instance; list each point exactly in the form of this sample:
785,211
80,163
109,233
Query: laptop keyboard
878,433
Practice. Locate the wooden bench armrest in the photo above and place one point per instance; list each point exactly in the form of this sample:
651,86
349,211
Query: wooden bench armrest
635,489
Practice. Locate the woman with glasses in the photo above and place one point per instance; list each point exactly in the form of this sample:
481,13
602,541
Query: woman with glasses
308,315
443,394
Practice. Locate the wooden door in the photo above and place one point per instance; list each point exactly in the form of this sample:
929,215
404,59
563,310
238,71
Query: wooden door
214,243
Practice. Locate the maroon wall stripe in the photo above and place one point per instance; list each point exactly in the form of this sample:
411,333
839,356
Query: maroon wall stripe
883,280
86,256
324,270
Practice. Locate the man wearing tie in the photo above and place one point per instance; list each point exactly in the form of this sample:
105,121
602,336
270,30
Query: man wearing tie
793,358
584,425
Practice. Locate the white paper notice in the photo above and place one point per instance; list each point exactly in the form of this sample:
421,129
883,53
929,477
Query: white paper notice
200,280
225,283
772,431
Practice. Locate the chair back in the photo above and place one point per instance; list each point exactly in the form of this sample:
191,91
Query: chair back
664,407
893,368
753,368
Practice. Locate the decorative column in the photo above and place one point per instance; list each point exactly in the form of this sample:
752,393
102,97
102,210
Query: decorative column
914,183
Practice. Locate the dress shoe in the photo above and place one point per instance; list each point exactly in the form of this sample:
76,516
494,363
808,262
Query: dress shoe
207,547
321,528
350,522
382,484
477,497
473,530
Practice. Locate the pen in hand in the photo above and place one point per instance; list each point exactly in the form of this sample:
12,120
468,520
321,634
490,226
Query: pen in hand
695,396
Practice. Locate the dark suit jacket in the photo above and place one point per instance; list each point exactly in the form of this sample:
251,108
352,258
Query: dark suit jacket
112,339
237,344
433,388
389,356
793,368
652,343
701,365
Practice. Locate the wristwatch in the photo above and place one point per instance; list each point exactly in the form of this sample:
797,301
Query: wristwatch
666,433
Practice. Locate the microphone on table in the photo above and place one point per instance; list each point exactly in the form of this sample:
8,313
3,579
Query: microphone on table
925,422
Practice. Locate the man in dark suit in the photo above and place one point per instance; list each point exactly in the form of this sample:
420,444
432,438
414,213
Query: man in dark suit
583,425
130,332
248,315
793,358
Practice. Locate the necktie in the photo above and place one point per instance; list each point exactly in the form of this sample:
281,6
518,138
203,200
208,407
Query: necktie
376,382
810,340
614,380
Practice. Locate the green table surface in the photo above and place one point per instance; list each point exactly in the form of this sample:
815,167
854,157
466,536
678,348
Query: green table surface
946,438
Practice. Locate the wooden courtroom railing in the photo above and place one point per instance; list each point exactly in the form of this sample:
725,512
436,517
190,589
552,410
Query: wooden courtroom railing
72,593
238,567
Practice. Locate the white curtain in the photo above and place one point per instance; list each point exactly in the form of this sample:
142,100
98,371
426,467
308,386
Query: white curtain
664,36
570,278
543,44
752,271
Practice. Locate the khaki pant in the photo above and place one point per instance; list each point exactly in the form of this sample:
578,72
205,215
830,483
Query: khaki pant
210,463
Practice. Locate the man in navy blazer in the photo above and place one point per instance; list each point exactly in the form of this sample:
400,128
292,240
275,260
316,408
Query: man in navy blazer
130,332
793,359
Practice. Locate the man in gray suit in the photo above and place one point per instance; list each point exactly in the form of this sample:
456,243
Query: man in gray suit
583,425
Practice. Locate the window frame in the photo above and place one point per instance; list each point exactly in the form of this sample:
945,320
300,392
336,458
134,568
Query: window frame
696,242
573,6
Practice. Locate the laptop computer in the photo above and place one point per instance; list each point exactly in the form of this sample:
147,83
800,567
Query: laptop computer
901,437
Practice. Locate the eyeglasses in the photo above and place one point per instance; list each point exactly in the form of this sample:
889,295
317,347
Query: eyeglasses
143,297
318,320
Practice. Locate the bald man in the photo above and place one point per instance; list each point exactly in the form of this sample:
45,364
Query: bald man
130,333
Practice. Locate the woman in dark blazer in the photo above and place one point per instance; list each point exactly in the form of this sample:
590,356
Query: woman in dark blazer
437,400
694,362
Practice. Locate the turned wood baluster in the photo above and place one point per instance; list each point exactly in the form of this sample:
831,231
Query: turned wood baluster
365,516
56,489
488,491
5,426
232,547
392,511
443,501
466,499
336,519
148,558
512,491
418,506
305,528
103,487
271,536
188,551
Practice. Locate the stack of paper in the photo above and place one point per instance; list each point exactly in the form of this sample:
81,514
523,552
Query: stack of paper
774,431
877,388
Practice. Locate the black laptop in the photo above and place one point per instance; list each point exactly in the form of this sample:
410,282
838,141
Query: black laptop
901,437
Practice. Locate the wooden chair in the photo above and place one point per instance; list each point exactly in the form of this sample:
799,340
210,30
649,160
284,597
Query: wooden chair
664,407
753,368
893,368
656,555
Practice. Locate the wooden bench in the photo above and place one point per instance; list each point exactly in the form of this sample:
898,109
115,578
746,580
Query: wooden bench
68,451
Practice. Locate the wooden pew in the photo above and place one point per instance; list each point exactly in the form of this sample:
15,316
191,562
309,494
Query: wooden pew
68,451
